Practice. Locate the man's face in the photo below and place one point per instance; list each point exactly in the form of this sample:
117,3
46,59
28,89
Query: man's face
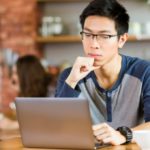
100,39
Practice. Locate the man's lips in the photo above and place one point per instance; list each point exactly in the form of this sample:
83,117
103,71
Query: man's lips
93,55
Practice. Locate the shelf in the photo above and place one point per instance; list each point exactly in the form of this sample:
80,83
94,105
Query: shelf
63,1
133,38
59,39
77,38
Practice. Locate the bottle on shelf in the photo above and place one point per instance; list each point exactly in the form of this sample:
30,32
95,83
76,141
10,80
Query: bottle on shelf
50,25
58,25
47,27
135,28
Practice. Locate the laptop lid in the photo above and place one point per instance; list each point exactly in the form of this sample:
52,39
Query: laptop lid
55,123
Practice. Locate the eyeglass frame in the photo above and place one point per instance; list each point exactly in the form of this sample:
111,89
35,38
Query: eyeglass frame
109,36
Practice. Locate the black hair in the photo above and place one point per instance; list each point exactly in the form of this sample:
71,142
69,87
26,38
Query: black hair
107,8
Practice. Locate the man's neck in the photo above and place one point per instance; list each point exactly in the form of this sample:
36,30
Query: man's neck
108,74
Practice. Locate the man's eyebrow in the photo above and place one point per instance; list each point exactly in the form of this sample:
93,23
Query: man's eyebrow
102,31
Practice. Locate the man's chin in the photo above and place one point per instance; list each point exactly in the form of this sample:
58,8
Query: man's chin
96,66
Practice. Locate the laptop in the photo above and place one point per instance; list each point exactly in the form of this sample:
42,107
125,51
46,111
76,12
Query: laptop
56,123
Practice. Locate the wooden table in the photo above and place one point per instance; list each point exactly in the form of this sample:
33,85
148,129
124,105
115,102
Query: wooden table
10,140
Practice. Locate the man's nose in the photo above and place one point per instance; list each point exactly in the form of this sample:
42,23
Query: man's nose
95,43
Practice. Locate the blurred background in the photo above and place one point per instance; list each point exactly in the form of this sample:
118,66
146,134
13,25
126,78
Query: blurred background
49,29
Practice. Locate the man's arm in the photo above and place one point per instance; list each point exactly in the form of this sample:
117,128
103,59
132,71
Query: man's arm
107,134
144,126
66,86
63,89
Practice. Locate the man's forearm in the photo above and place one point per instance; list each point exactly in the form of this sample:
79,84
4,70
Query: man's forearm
67,91
143,126
71,83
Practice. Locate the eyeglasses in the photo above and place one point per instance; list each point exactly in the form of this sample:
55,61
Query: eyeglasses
99,37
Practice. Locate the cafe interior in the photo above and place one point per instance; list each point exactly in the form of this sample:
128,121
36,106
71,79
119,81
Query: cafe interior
47,30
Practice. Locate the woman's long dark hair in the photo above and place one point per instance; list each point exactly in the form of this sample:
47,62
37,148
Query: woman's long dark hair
34,80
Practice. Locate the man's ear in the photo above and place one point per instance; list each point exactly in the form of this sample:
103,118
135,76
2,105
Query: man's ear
123,38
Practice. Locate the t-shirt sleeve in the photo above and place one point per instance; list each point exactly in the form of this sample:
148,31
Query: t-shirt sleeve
146,95
63,89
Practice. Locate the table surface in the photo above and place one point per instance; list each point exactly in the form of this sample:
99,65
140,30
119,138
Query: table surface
10,139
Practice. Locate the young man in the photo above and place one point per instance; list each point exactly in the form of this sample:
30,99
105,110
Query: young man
116,86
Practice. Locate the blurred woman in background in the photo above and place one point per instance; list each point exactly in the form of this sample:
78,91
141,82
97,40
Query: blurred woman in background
30,79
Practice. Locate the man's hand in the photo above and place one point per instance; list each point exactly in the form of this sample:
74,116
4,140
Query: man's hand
107,135
81,67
